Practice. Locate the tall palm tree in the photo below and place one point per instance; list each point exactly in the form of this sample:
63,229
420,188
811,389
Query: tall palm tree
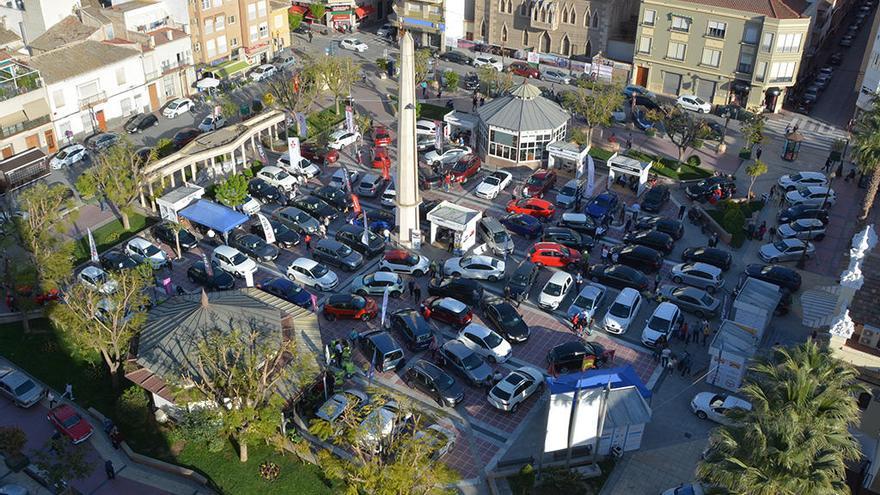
795,439
867,153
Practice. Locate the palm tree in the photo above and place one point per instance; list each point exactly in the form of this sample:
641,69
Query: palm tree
867,153
795,438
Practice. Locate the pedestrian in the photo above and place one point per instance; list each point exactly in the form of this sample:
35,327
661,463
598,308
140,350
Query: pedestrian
439,92
387,235
629,142
578,281
474,102
683,334
424,91
758,153
685,364
604,253
432,269
762,230
309,243
417,293
850,176
781,200
411,285
310,36
115,437
839,172
713,239
68,392
482,100
681,211
773,190
108,468
322,230
795,129
771,233
665,354
706,332
52,399
657,279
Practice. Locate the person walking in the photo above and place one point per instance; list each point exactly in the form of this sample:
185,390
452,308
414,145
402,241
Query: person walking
311,36
411,285
706,332
308,243
604,253
681,211
657,279
68,392
417,293
758,153
109,469
482,100
578,281
439,92
771,234
665,354
713,239
685,364
474,102
828,164
684,334
52,400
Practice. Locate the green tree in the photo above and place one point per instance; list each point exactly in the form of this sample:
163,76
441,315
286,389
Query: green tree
337,74
296,93
423,62
294,20
232,191
317,10
61,462
755,170
795,439
496,82
681,128
867,154
117,177
12,440
752,130
203,427
452,79
228,107
105,320
595,102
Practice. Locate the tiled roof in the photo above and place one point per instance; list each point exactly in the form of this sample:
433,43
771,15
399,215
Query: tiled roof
89,55
776,9
523,109
864,308
7,36
67,31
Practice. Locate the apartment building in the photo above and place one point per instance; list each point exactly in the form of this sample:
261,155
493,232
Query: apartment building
224,30
25,119
279,26
429,22
746,52
868,79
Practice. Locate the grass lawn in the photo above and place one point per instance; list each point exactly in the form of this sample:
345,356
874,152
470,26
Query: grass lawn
668,167
600,153
109,235
432,112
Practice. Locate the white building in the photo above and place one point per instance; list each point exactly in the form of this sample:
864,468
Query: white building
868,80
105,83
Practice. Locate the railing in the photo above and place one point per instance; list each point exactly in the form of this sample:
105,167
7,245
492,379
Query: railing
12,130
9,89
92,100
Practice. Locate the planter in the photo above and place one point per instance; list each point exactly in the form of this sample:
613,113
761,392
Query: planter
745,154
17,462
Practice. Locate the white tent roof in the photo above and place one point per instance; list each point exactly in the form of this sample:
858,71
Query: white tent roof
733,337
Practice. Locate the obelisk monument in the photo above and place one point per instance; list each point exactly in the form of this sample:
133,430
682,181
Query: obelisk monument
408,197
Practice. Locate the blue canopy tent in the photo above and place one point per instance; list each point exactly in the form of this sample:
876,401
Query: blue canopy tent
623,376
214,216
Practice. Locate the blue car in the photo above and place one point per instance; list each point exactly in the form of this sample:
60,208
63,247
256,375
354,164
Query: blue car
287,290
377,220
524,225
602,205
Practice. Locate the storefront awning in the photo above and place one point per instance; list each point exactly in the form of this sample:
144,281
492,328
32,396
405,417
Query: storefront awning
298,9
740,86
341,17
364,11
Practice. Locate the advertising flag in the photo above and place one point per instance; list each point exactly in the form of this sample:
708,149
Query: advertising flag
208,268
349,118
438,134
293,150
262,153
302,124
591,174
93,249
268,231
384,306
365,238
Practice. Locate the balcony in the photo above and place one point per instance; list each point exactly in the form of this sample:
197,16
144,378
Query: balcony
92,100
17,79
12,130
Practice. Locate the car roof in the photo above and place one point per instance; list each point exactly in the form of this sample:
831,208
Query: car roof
591,290
457,348
559,277
574,217
627,296
451,304
397,255
226,250
383,276
92,271
665,310
477,329
305,263
271,168
139,242
704,267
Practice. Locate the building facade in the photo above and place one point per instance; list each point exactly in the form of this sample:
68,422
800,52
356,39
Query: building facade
215,27
428,21
868,79
25,120
279,25
724,51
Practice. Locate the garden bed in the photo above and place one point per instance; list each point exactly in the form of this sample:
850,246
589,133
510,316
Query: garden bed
733,216
671,168
110,234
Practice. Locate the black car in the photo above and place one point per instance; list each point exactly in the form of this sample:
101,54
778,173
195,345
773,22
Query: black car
464,289
666,225
265,192
797,212
165,233
836,58
471,81
428,179
254,246
569,238
140,122
775,274
653,239
425,207
288,290
284,237
506,320
434,382
619,277
117,260
520,282
378,220
413,327
585,224
713,256
457,57
317,208
569,357
337,254
644,101
655,199
217,280
639,257
184,136
335,197
703,190
353,237
384,352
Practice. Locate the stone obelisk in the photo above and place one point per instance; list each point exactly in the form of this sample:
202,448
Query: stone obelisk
408,197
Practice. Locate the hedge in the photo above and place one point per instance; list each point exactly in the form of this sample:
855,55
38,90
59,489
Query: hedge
668,167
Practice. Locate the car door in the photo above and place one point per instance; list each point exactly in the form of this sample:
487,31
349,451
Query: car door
522,390
6,390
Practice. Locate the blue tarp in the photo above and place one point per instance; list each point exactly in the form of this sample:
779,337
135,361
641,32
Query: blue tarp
623,376
216,217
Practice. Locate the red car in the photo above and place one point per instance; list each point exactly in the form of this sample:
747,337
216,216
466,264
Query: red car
381,159
447,310
465,168
350,307
535,207
523,69
554,254
70,424
539,183
318,154
381,136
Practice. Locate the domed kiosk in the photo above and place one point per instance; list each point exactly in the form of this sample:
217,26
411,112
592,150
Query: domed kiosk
516,128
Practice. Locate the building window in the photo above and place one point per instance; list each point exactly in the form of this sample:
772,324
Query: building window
712,58
120,76
253,33
504,34
252,11
218,3
645,44
197,47
234,42
767,42
782,71
206,4
565,46
168,84
573,16
595,19
789,43
261,6
681,24
761,71
209,26
484,29
58,98
231,20
750,35
523,9
650,17
565,16
221,44
716,29
212,48
525,39
220,23
264,29
746,63
676,51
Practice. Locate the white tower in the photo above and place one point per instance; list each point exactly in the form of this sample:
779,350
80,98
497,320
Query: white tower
408,197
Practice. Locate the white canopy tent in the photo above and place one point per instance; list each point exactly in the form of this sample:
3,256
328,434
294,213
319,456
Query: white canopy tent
619,164
460,220
463,122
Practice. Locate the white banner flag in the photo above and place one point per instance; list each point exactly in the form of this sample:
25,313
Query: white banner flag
293,150
438,135
591,174
365,238
268,231
262,153
384,306
208,268
349,119
93,249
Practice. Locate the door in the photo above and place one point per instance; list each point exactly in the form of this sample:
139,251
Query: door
671,83
32,141
50,141
102,121
706,90
7,152
642,76
154,97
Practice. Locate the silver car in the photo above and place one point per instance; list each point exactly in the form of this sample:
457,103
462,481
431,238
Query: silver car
296,219
448,155
555,76
786,250
371,185
567,196
702,275
803,228
19,388
692,300
466,362
375,284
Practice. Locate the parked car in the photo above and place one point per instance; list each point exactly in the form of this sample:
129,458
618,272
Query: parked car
350,307
403,261
493,184
471,81
184,136
316,208
535,207
655,199
382,351
165,233
582,223
587,301
640,257
140,122
457,57
666,225
568,195
212,123
263,72
342,138
297,220
371,186
70,424
465,290
265,192
811,195
499,314
335,197
466,168
97,280
666,319
524,69
249,207
426,127
619,276
278,178
570,356
410,324
653,239
523,224
556,255
481,60
447,310
478,267
786,250
485,342
569,238
622,311
790,182
233,261
539,183
466,362
555,76
784,277
117,260
709,405
316,153
353,237
376,284
177,107
515,388
632,89
378,221
287,290
804,229
694,104
69,156
312,274
434,382
254,246
337,254
555,291
217,279
603,206
703,190
692,300
353,44
144,251
19,388
713,256
338,179
798,212
102,141
700,275
447,155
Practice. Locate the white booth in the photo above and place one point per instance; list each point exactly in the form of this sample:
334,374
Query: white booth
455,223
623,165
732,348
565,155
457,121
178,199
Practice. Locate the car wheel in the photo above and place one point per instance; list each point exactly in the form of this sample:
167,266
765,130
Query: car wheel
514,408
456,274
702,415
774,260
395,294
676,279
701,110
493,278
711,289
418,273
329,316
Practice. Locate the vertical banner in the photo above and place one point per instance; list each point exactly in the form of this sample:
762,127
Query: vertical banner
591,174
249,279
302,125
268,231
93,249
384,305
365,238
262,153
346,179
349,118
533,58
314,299
355,204
438,135
293,150
208,268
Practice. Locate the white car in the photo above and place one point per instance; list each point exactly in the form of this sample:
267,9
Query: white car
622,311
263,72
686,489
694,103
439,440
338,177
389,195
482,60
250,206
796,181
338,403
97,279
666,319
426,127
812,196
277,177
177,107
709,405
304,168
143,250
477,266
379,424
311,273
493,184
68,156
555,76
555,290
515,388
588,300
19,388
786,250
386,30
485,342
803,228
403,261
211,123
700,275
353,44
446,156
342,138
233,261
375,284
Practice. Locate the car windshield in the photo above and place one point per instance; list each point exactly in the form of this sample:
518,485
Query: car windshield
62,154
492,181
602,201
239,258
493,340
358,302
584,302
501,394
804,191
471,361
500,237
460,166
151,250
699,101
795,177
553,289
780,245
659,324
535,180
24,388
619,310
568,191
343,250
707,300
301,217
319,271
174,105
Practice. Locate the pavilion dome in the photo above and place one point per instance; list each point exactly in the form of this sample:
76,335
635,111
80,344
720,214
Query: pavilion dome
523,109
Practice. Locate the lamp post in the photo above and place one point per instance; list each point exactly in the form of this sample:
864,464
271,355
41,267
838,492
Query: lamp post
722,146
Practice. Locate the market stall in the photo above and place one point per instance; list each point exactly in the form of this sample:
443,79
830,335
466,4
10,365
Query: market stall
454,223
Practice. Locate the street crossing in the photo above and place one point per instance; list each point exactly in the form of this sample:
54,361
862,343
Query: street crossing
818,135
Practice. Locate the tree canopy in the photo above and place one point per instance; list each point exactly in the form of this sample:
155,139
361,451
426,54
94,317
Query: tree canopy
595,102
232,191
117,176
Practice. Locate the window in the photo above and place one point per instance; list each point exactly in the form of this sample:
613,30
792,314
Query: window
261,6
234,42
120,76
206,4
767,42
218,3
220,23
252,11
761,71
711,57
682,24
58,98
209,26
782,71
676,51
253,33
264,29
231,20
565,16
573,16
279,21
650,17
525,38
746,63
716,29
221,44
504,34
197,47
645,44
211,46
789,43
595,19
523,9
